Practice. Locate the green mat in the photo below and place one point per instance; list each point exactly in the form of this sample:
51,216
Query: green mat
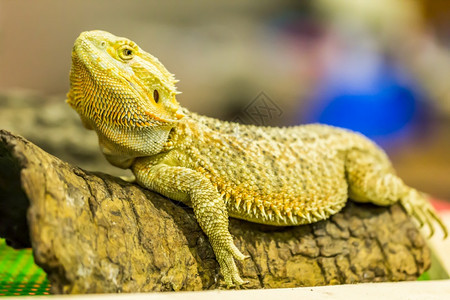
19,275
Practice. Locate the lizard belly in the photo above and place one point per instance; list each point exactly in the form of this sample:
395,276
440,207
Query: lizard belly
286,209
284,192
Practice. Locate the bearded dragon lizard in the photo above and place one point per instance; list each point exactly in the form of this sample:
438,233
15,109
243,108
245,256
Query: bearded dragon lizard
276,176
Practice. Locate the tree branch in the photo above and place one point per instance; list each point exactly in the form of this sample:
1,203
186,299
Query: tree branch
92,233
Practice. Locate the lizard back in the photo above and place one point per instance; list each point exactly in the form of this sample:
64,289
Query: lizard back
277,176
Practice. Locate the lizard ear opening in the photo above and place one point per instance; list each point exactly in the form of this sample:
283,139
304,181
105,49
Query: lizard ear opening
156,96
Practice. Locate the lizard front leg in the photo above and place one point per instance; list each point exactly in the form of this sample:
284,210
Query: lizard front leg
194,189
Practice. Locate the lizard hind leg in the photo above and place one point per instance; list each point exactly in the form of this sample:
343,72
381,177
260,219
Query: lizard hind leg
372,180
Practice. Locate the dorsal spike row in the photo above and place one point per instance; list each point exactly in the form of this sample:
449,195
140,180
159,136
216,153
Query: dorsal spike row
277,213
248,205
316,214
291,217
262,211
331,211
308,217
238,202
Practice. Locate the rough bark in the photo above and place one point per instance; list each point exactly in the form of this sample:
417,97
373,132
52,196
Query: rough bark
92,233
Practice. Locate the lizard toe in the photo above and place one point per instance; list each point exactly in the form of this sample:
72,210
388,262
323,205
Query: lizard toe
236,252
226,258
417,205
230,272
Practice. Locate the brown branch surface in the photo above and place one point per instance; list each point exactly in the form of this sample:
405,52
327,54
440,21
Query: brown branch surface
95,233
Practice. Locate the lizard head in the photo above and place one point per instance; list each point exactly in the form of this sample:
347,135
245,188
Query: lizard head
115,82
123,93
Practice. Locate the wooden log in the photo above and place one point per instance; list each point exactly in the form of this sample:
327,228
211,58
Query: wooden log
94,233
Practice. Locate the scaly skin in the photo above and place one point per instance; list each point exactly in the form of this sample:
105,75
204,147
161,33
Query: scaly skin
276,176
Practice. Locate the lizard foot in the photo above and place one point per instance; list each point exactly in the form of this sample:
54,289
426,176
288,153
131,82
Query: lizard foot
417,206
225,256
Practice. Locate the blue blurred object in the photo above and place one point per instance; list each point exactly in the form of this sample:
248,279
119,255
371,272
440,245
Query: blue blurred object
370,96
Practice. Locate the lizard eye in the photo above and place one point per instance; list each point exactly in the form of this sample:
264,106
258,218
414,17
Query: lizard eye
156,95
126,52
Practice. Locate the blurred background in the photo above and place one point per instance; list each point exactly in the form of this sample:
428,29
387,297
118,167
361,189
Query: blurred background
379,67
